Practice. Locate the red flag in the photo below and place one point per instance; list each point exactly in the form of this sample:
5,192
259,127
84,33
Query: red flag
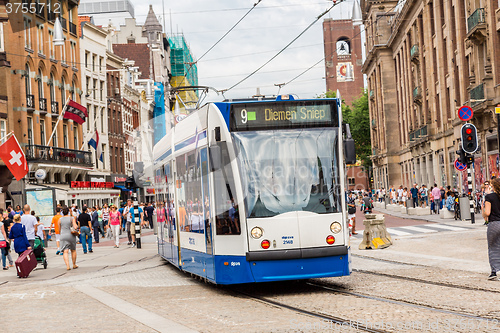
75,111
14,158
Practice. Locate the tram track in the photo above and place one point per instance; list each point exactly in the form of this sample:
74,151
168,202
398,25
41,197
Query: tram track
328,319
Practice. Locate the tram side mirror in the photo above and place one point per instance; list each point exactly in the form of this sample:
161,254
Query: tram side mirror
349,146
215,158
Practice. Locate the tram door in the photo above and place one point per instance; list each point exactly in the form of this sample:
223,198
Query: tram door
170,232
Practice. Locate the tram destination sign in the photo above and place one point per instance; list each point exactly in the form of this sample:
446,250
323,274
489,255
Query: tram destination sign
291,114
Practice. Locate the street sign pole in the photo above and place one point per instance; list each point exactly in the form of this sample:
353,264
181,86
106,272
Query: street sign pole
137,216
497,111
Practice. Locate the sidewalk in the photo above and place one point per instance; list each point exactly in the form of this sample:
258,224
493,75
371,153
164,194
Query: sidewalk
434,218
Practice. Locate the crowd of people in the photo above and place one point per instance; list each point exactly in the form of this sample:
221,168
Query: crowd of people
71,226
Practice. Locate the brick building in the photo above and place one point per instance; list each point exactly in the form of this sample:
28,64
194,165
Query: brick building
426,59
41,77
343,58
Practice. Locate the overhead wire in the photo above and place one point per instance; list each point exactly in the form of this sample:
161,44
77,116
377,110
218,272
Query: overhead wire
286,46
220,39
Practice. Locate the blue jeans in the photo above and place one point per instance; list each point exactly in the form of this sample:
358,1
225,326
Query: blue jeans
4,256
85,236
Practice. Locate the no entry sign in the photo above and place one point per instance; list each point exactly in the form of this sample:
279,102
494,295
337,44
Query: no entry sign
459,166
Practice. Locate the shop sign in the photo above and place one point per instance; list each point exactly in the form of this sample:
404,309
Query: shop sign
120,179
150,191
76,184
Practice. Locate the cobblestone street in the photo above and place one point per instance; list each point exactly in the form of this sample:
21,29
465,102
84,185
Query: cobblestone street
423,283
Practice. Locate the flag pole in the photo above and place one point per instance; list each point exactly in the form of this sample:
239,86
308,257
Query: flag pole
61,116
6,136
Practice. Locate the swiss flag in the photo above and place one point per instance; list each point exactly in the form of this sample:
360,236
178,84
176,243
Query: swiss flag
13,156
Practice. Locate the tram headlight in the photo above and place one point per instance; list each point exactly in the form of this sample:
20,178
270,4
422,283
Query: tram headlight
256,232
335,227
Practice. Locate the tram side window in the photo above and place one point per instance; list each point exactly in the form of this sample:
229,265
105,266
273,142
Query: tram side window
226,208
190,193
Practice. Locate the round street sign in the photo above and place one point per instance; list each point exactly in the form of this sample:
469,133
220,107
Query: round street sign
465,113
459,166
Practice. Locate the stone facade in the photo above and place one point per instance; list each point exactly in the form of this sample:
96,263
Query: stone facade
424,60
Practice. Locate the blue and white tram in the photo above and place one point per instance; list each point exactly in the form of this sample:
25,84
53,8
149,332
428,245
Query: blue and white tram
254,191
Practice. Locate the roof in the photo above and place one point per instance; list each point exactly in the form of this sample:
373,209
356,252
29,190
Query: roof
137,52
152,23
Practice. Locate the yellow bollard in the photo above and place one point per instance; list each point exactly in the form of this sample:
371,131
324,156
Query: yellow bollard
375,235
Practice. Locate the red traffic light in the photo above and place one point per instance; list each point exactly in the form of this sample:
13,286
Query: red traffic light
469,138
468,131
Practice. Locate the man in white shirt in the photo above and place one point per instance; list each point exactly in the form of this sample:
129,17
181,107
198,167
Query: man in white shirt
30,223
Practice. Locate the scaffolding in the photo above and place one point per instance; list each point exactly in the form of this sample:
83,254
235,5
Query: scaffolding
182,62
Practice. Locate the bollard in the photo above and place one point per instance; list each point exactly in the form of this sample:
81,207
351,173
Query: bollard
375,235
137,217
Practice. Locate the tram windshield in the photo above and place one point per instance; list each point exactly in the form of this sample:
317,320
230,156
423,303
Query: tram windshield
289,170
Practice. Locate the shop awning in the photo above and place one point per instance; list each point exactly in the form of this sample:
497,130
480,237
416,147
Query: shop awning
123,188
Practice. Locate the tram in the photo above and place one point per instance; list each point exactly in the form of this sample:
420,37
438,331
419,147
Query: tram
254,191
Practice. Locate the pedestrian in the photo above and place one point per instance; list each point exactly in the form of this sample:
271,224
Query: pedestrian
128,219
114,224
101,222
351,211
130,215
30,223
7,224
39,231
120,210
55,225
491,213
94,219
68,240
404,196
18,235
414,195
105,218
436,196
367,204
85,225
148,213
16,211
3,244
423,196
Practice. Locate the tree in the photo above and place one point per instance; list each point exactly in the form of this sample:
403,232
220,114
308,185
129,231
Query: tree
358,119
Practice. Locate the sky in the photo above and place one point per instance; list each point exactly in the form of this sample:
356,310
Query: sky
255,40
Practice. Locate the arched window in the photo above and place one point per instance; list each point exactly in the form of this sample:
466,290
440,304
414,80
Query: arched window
63,91
27,80
73,91
40,84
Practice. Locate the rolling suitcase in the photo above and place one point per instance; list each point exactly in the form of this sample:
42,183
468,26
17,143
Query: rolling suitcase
25,263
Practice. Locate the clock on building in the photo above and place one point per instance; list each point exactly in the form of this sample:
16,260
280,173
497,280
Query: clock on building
342,48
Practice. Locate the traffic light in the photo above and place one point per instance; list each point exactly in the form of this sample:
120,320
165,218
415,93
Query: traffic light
461,156
469,138
129,183
469,159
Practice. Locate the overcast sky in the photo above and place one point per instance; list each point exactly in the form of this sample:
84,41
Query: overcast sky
256,39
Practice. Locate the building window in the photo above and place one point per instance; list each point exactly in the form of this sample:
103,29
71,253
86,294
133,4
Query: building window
94,92
2,49
102,120
73,53
27,80
63,92
3,130
73,91
351,181
27,33
65,135
75,137
39,39
30,130
86,60
51,45
57,178
63,52
42,131
52,89
40,84
101,90
54,138
100,64
93,62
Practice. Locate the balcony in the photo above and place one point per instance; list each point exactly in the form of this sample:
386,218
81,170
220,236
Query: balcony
30,101
419,133
417,95
54,107
47,154
477,95
414,53
476,26
72,28
42,104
